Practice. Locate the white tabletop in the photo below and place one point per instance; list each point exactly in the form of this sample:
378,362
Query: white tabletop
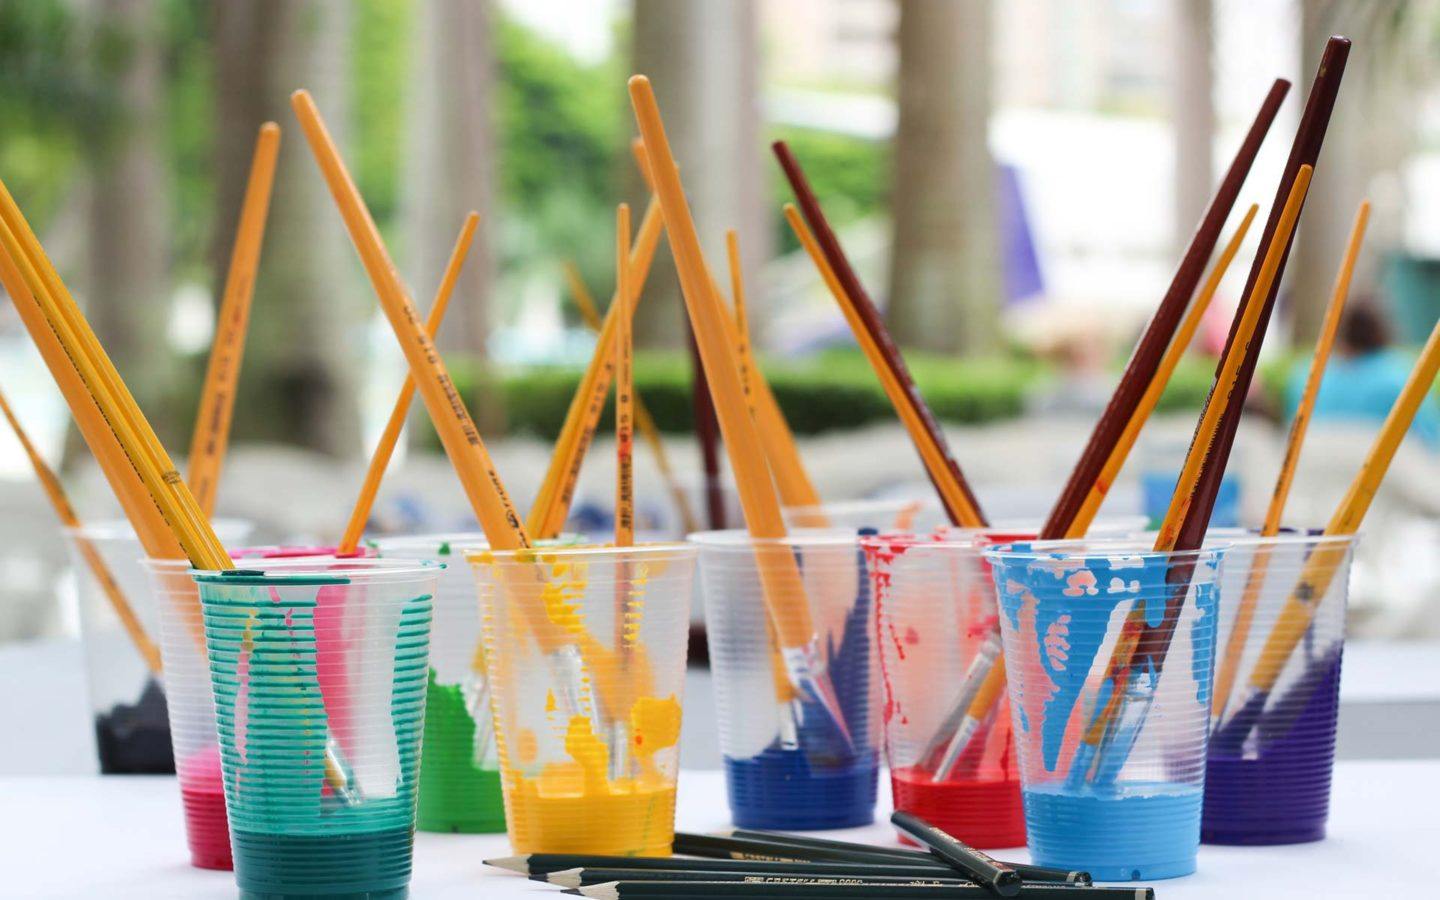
121,838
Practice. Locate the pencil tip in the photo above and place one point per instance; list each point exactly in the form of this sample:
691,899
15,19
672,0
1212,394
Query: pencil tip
607,891
519,864
569,878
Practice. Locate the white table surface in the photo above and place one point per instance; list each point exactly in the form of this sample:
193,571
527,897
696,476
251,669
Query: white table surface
121,838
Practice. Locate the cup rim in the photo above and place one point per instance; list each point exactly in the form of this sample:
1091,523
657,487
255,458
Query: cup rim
307,570
485,556
1293,538
1098,547
460,542
739,538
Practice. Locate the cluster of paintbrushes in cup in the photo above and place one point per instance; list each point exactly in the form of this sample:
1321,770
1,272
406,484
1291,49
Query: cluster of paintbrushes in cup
171,514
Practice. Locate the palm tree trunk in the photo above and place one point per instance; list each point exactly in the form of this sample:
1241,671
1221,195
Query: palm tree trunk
945,276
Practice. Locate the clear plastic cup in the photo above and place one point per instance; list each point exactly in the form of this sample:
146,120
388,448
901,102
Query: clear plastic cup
892,515
1277,689
585,652
951,757
132,729
1112,774
460,777
788,766
318,671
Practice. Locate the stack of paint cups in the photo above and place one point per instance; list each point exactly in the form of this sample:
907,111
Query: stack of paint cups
132,729
945,719
460,779
1277,689
789,763
1109,652
585,654
318,669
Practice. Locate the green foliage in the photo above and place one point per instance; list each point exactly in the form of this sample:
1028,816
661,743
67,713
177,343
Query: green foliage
831,391
48,102
190,129
380,63
852,175
561,127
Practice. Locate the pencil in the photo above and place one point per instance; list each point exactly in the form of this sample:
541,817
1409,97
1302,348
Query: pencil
955,491
390,437
644,421
1245,610
1141,368
1080,524
997,877
55,493
746,871
552,502
783,589
797,888
211,437
763,846
540,865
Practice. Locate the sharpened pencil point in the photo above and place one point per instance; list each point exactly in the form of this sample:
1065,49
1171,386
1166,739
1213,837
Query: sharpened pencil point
569,878
519,864
607,891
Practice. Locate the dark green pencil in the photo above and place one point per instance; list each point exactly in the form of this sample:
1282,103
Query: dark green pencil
538,865
802,890
772,873
731,847
913,857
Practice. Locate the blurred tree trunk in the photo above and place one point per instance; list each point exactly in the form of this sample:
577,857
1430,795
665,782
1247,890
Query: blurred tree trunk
450,171
945,275
1193,110
308,322
129,222
703,58
1371,132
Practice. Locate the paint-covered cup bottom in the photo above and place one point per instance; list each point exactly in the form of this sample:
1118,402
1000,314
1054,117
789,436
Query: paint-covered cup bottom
627,819
370,865
1136,832
785,790
983,813
1272,786
202,793
457,795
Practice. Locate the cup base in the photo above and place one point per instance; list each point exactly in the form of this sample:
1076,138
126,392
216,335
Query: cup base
206,827
986,814
1270,838
1136,832
365,866
781,789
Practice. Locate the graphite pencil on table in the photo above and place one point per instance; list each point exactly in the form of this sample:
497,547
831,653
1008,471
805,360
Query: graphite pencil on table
998,877
753,872
703,890
768,848
538,865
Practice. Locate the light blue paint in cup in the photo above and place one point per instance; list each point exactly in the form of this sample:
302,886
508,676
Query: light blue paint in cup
1127,808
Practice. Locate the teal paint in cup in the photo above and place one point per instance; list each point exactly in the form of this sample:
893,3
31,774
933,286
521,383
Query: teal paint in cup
1129,810
319,670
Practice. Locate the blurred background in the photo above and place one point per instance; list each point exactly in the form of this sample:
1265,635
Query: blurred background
1015,180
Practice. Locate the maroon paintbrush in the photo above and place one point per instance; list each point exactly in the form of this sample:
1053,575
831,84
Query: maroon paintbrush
1152,345
870,316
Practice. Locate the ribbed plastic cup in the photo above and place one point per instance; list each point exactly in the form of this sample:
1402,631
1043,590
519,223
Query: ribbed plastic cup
891,515
938,636
1128,807
585,653
788,766
1272,752
132,729
318,672
460,776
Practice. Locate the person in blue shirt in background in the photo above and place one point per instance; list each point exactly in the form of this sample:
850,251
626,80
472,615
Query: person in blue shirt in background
1364,376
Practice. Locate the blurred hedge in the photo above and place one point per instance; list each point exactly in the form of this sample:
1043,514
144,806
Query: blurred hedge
829,391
